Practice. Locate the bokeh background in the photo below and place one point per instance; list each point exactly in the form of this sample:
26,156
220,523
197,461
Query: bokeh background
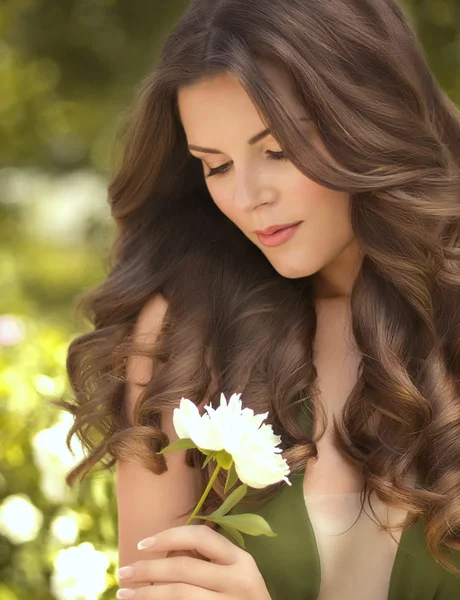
68,72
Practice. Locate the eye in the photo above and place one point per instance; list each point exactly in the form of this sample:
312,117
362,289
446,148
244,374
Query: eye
276,155
223,168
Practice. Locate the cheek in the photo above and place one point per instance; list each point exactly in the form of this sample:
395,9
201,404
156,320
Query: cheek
310,193
327,218
320,204
224,202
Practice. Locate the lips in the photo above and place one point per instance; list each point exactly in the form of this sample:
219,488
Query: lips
279,237
275,228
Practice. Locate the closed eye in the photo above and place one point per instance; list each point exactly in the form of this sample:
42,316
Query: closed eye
223,168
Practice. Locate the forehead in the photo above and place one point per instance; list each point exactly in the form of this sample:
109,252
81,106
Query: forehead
223,96
214,100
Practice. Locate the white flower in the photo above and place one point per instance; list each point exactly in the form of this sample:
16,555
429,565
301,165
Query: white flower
12,330
64,527
240,433
79,573
20,520
53,458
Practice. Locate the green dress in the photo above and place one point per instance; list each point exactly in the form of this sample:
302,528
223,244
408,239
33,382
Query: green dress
290,562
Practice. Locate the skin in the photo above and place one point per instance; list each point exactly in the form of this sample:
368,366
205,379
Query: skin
226,572
255,192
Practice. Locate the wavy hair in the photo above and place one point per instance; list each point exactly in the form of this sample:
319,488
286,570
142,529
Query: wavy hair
233,324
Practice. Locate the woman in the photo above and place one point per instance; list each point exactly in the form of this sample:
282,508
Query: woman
320,120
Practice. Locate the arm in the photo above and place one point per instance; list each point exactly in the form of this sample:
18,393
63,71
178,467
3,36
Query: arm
149,503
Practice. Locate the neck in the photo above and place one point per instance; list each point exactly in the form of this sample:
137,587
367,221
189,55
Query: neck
336,280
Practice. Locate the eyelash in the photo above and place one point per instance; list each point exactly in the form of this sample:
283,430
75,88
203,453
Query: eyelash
222,170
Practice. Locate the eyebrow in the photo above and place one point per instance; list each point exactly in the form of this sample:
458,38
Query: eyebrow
255,138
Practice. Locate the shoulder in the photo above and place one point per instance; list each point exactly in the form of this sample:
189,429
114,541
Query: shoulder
151,315
146,330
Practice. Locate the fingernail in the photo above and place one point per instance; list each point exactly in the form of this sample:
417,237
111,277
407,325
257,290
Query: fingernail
125,594
147,543
125,572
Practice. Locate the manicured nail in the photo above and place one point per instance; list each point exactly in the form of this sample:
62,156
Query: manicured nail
125,572
125,593
147,543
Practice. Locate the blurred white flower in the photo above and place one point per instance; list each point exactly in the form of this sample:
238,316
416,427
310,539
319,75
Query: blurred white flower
58,207
53,458
79,573
48,386
239,432
12,330
20,520
64,528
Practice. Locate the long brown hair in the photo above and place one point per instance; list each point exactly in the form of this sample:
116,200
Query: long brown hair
394,135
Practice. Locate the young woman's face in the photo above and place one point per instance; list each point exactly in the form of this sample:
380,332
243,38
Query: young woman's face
253,187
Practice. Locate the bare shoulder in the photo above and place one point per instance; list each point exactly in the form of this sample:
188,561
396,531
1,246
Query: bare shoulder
146,330
152,313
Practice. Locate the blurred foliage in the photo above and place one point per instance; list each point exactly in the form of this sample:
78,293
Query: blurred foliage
68,68
31,372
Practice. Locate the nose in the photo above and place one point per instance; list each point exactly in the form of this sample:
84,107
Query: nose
248,193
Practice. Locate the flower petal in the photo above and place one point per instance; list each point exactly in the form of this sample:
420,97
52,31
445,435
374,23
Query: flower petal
262,471
205,435
186,418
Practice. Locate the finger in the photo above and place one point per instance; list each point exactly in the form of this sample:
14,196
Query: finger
201,538
173,591
180,569
192,553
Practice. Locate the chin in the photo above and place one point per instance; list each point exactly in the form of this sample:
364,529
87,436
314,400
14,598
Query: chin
293,271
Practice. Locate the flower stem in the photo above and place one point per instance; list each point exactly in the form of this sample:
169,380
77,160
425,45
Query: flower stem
205,493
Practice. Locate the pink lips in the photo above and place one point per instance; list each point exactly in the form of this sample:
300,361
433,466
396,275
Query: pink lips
278,237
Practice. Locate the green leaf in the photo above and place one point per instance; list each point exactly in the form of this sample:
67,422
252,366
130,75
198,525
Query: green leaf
224,459
232,478
205,451
180,444
235,534
231,501
209,458
247,523
228,528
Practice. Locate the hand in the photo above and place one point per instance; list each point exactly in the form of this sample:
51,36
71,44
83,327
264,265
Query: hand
227,572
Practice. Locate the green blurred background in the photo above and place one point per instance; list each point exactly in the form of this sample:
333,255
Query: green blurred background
68,70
